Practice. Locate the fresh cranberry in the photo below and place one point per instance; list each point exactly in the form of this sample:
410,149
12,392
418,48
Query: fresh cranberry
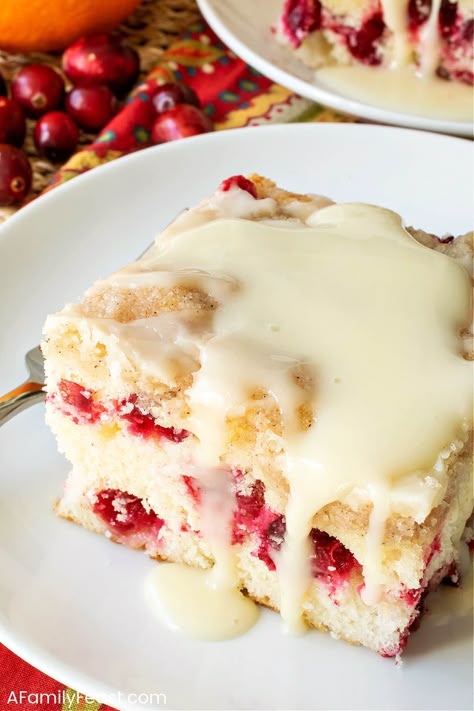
12,122
56,136
15,175
124,513
101,59
38,89
362,44
181,121
169,95
3,86
145,426
91,107
300,17
239,181
330,558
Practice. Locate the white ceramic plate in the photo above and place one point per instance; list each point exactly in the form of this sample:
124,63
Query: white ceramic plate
244,25
71,603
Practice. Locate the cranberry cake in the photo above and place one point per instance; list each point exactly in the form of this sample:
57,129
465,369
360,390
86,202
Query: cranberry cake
242,374
435,34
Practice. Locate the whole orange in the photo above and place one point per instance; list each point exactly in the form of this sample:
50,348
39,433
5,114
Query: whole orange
47,25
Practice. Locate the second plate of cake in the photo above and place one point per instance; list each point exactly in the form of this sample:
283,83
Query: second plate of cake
70,602
310,50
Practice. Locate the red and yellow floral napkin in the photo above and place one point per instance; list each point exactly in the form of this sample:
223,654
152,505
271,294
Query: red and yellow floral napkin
234,95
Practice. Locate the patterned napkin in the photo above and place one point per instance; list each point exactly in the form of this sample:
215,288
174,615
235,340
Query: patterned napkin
234,95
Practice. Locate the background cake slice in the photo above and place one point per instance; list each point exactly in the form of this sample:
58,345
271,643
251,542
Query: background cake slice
122,406
372,32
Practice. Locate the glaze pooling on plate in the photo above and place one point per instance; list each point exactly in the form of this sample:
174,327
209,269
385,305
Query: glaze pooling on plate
400,89
189,600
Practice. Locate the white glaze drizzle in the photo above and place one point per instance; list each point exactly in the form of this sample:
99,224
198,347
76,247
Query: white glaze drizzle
430,42
361,304
361,247
395,13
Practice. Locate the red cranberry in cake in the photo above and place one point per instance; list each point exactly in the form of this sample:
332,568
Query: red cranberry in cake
327,31
239,181
143,425
272,540
448,15
82,405
468,31
300,17
363,43
331,560
80,402
250,505
411,596
418,12
124,513
193,488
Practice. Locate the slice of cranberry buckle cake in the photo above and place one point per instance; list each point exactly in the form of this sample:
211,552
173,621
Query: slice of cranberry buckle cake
297,360
380,32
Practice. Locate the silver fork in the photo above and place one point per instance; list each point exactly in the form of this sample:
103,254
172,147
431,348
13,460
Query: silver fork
30,392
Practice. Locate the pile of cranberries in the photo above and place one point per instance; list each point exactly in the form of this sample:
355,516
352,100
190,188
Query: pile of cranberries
100,71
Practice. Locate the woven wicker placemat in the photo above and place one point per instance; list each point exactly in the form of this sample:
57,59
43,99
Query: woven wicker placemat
151,29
